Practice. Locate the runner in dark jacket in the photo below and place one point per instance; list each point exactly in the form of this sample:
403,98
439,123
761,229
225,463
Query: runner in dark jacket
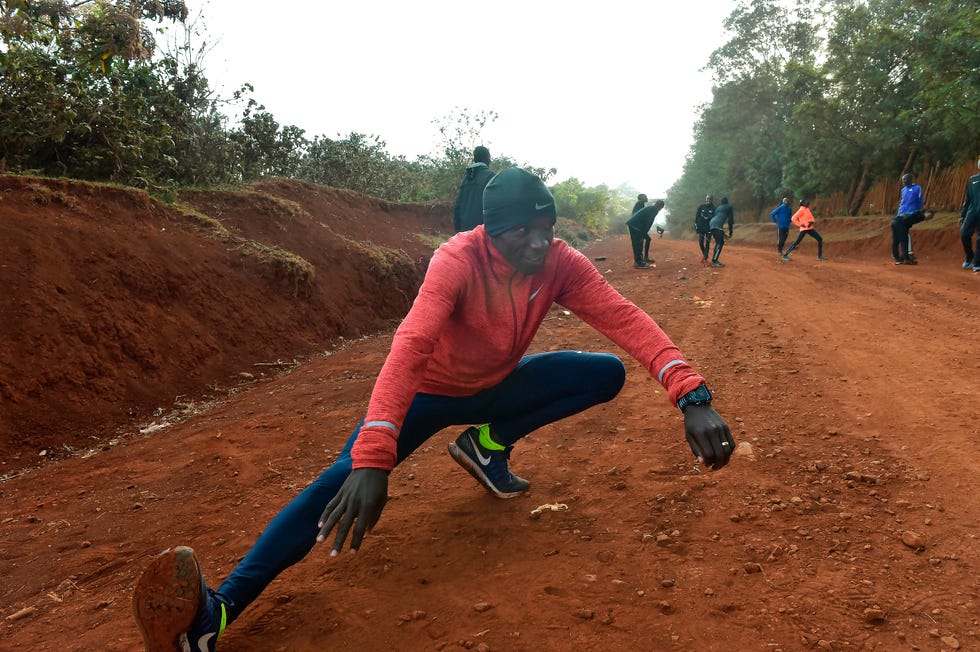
702,218
639,227
724,214
641,201
468,212
970,222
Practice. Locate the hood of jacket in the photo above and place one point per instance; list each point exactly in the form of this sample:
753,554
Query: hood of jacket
473,168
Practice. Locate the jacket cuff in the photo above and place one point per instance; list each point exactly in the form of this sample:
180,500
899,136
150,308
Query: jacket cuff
375,449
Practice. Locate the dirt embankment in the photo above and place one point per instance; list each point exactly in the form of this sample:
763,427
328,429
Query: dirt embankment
116,308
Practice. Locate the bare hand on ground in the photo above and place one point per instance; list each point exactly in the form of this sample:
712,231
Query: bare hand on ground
359,503
708,435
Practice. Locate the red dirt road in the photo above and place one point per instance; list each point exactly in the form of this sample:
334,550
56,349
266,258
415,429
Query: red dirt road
850,385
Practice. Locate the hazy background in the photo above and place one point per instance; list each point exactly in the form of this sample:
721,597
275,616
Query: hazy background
606,92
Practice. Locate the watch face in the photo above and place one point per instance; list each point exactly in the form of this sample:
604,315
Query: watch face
697,396
700,394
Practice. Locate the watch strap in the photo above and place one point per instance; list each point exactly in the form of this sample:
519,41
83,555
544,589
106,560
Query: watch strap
700,395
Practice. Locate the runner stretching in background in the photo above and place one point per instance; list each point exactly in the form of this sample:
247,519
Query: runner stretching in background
803,218
724,214
970,222
639,227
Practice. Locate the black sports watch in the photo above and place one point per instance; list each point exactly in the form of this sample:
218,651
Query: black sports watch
698,396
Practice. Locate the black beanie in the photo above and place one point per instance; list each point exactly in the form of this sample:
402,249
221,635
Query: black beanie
513,198
481,155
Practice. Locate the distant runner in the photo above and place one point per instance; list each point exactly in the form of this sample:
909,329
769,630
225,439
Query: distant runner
782,216
970,222
702,222
639,227
803,218
909,213
724,215
468,209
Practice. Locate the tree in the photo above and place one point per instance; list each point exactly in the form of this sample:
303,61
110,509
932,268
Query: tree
756,47
91,33
360,162
833,96
65,106
265,148
588,206
742,139
947,44
459,132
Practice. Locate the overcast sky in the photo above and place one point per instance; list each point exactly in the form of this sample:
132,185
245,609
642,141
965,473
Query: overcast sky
605,91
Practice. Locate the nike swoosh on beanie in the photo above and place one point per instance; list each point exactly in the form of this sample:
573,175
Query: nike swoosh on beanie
513,198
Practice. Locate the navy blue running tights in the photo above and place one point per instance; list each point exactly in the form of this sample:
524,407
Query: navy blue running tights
544,388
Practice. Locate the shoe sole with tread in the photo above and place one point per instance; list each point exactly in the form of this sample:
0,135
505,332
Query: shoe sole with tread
166,599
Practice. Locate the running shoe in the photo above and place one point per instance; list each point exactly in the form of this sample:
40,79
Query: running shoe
821,258
489,467
784,257
967,264
174,608
976,268
210,622
715,263
641,266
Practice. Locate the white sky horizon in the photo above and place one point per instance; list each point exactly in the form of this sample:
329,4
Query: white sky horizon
606,92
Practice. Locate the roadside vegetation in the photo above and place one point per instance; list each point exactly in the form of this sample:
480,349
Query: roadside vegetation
836,99
825,99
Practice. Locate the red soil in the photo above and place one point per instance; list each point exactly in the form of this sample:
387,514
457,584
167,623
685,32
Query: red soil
849,383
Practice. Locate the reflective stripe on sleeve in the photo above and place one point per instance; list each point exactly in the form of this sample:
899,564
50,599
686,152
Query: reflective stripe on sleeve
381,424
660,376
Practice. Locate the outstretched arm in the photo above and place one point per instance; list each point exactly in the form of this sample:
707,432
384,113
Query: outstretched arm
595,301
362,496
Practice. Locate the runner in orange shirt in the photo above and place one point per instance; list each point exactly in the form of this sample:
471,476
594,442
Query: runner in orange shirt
803,218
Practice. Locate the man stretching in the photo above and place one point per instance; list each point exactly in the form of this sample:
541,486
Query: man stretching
458,358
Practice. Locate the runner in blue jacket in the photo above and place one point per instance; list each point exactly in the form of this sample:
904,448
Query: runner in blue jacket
782,215
909,213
